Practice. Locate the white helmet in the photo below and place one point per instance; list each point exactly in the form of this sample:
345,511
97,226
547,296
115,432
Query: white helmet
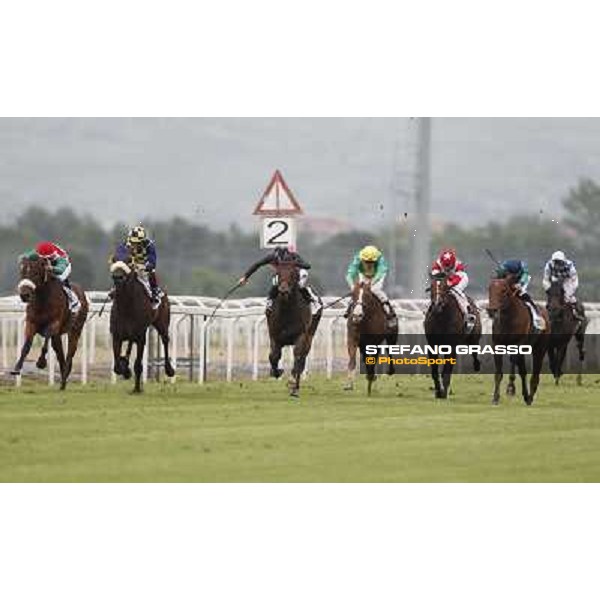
559,256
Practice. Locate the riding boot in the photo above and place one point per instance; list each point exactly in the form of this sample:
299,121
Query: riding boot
154,289
470,322
579,312
392,320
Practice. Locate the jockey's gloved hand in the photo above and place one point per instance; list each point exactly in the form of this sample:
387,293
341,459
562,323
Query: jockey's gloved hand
243,281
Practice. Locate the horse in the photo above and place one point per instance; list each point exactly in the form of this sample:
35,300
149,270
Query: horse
366,321
48,314
512,324
131,315
290,323
564,327
444,325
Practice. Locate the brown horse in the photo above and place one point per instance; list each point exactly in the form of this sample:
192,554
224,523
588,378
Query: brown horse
564,327
366,321
48,314
290,323
512,324
445,325
130,316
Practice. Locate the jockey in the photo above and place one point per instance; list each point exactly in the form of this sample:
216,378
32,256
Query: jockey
560,269
60,264
454,271
286,254
142,252
520,273
369,265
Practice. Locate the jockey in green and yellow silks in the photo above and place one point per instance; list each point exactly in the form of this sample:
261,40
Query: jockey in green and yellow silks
370,266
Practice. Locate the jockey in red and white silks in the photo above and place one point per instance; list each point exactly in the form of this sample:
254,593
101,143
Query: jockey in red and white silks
457,279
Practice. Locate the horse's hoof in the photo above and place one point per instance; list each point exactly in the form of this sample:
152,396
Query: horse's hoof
276,373
511,390
169,370
41,363
15,372
495,402
294,394
528,401
127,374
349,387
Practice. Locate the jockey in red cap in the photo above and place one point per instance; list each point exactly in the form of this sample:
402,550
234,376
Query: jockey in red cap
60,265
448,265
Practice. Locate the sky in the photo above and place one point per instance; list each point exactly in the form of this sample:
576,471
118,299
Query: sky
214,170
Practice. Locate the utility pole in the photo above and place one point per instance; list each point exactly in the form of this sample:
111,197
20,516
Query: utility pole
422,235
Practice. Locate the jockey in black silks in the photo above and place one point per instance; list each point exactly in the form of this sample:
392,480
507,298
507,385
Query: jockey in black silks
286,254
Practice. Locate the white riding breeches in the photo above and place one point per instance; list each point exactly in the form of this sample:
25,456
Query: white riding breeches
461,298
570,287
302,278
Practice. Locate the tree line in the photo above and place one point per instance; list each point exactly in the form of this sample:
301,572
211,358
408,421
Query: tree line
195,260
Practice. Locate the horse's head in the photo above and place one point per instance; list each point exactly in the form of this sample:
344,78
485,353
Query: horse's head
438,292
556,300
34,272
120,272
500,293
287,277
363,302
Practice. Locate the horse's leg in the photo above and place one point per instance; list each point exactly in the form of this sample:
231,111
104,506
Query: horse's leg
30,331
511,388
138,366
300,353
41,361
560,360
435,375
57,346
498,364
163,331
371,376
352,345
118,365
538,359
580,339
274,358
73,341
391,340
552,361
447,377
126,360
520,364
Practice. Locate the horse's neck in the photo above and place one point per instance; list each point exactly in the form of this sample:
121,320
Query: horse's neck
126,295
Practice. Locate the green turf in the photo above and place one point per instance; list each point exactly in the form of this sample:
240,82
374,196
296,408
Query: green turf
253,432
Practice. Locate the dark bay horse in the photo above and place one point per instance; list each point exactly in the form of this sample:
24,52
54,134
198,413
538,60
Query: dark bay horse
130,316
445,325
290,323
512,324
564,327
48,314
366,321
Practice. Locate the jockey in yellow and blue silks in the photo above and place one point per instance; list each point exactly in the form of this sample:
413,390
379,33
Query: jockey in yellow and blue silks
141,250
519,271
370,266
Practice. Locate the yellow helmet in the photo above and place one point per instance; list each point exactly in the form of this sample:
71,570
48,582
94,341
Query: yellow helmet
370,254
136,235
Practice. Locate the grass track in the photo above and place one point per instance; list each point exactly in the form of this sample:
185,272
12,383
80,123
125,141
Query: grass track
253,432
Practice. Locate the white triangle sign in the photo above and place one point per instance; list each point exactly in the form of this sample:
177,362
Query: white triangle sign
278,199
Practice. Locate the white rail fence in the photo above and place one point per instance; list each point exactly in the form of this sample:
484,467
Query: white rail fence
233,345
